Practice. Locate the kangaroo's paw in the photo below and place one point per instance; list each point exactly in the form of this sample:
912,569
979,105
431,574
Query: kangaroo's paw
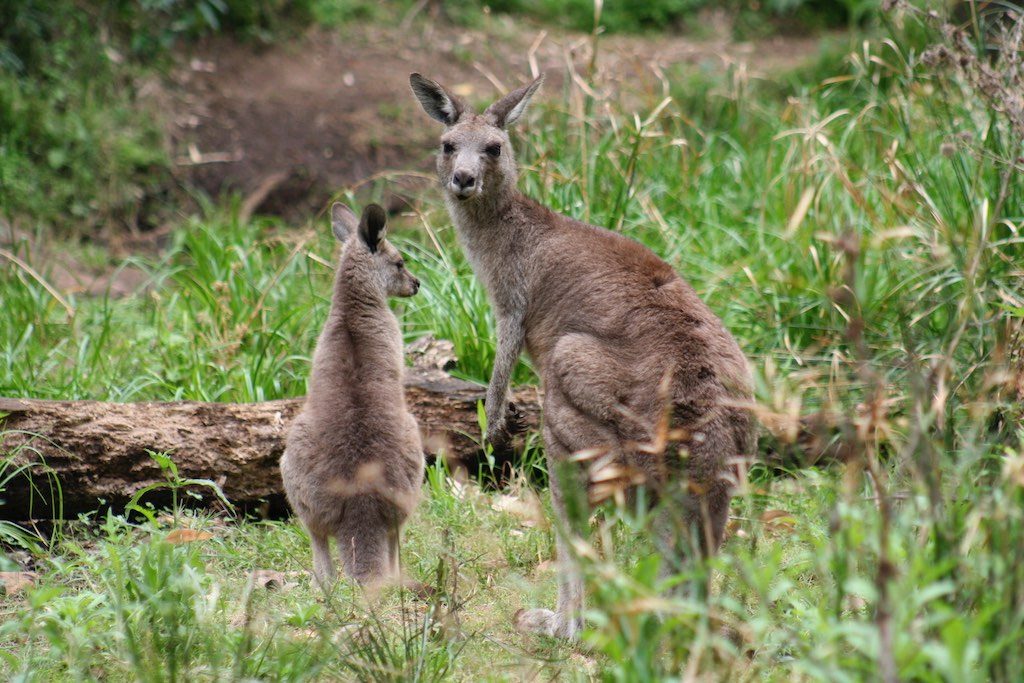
515,419
326,580
547,623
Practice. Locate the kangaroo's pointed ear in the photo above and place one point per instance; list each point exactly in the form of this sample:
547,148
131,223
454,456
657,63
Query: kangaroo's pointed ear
437,101
343,221
373,226
509,108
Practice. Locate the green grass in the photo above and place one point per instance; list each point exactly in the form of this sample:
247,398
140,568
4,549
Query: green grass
748,18
178,609
82,122
857,225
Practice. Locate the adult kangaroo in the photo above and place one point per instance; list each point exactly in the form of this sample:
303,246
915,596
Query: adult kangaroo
617,336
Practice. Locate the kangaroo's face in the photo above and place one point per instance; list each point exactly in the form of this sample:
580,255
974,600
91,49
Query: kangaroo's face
389,267
475,158
374,259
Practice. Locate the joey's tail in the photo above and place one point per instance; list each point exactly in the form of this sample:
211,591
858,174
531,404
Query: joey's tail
368,539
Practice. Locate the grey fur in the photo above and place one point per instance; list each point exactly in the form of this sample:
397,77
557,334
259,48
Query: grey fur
353,461
605,322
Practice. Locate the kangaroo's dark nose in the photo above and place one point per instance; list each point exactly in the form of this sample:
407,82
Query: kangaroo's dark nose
463,180
415,285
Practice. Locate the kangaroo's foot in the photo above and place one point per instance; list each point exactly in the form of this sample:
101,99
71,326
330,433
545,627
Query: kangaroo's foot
548,623
535,621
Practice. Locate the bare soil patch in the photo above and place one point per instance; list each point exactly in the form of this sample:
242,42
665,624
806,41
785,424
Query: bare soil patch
290,125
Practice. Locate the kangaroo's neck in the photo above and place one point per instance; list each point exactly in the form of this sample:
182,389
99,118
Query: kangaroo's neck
498,237
360,349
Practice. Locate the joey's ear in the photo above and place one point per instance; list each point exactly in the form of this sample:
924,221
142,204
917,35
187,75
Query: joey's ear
373,225
343,221
509,108
437,101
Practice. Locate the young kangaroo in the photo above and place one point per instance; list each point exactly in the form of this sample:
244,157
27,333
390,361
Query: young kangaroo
617,337
353,462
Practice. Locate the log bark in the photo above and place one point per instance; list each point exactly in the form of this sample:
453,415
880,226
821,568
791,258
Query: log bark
78,456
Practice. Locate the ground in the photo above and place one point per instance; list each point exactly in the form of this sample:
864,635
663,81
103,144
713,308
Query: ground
293,124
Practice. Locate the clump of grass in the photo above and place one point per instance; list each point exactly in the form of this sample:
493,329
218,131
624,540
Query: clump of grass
82,146
79,147
750,18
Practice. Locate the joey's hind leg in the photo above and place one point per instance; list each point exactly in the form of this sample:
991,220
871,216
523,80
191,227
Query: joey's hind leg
394,545
323,563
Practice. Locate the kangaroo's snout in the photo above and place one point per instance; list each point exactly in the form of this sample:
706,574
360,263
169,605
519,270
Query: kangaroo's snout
463,180
464,184
409,285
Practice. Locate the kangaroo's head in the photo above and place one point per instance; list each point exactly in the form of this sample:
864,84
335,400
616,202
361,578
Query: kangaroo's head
475,159
368,257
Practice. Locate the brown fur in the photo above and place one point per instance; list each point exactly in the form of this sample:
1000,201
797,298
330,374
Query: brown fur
605,321
353,462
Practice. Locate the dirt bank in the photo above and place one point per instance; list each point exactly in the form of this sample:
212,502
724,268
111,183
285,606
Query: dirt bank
291,124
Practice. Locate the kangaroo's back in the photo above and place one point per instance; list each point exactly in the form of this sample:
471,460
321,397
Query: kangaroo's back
589,279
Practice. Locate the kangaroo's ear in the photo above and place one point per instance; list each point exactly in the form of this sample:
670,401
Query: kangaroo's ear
373,225
343,221
437,101
509,108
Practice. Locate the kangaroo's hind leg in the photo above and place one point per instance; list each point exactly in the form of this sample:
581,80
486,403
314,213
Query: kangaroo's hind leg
596,384
691,518
567,618
323,563
567,431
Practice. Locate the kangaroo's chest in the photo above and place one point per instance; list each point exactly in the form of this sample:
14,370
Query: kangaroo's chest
504,277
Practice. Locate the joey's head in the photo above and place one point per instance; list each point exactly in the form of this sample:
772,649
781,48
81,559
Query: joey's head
475,159
368,256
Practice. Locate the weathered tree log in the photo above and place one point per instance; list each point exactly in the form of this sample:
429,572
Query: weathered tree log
62,458
99,452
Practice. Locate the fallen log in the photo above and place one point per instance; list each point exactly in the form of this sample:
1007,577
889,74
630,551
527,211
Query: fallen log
78,456
62,458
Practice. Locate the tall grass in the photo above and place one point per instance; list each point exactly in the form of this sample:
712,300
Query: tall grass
873,277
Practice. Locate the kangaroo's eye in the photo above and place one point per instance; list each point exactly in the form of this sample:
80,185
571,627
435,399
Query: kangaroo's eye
448,148
399,264
493,150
